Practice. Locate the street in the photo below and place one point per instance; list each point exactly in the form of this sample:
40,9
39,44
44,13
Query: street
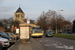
55,43
47,43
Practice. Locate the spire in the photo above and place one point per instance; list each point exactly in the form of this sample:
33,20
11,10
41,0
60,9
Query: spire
19,10
19,5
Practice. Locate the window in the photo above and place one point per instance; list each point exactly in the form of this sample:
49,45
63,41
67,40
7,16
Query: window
4,34
17,15
21,15
12,34
67,26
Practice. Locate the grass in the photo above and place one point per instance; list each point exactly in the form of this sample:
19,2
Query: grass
65,36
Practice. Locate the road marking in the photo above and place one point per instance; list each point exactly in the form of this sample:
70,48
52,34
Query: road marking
53,41
46,44
56,42
65,47
46,40
60,43
40,41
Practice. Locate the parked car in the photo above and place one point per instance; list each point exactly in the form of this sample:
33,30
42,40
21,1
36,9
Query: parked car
13,35
4,35
4,42
1,45
49,34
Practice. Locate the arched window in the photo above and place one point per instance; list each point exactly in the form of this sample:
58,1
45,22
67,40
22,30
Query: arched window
22,16
17,15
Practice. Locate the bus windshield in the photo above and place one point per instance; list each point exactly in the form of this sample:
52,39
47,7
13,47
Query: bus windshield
37,30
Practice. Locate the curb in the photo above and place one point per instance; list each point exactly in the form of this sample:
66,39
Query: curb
12,45
39,44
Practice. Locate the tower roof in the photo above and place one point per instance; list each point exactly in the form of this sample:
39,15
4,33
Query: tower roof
19,10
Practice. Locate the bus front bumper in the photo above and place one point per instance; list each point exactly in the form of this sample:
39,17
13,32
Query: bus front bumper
37,35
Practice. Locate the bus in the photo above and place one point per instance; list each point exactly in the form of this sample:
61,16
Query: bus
37,32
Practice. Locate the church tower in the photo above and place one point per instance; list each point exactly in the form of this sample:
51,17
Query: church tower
19,14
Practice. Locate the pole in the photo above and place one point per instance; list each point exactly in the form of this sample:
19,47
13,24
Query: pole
56,24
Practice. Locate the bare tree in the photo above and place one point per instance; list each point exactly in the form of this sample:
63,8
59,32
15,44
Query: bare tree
1,24
42,21
6,23
60,22
55,21
52,20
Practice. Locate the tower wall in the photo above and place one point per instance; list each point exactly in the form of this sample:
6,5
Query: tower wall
19,16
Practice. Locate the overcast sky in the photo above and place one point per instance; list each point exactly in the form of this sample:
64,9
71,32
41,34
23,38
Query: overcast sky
33,8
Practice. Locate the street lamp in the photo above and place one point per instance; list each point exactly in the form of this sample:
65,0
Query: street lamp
56,25
49,13
56,21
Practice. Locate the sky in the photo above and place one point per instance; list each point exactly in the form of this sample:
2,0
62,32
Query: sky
34,8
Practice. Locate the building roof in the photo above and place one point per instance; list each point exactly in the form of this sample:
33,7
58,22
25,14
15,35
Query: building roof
19,10
31,21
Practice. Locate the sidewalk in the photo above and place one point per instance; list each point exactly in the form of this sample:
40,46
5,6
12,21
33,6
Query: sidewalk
33,45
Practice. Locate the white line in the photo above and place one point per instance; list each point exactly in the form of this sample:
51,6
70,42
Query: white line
46,40
60,43
56,42
40,41
46,44
53,41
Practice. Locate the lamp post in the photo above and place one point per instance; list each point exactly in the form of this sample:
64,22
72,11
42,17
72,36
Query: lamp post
56,21
49,17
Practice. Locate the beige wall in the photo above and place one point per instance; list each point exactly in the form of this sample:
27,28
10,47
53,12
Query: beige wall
21,16
32,25
67,27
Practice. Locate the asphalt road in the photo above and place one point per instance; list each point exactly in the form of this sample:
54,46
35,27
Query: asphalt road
55,43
